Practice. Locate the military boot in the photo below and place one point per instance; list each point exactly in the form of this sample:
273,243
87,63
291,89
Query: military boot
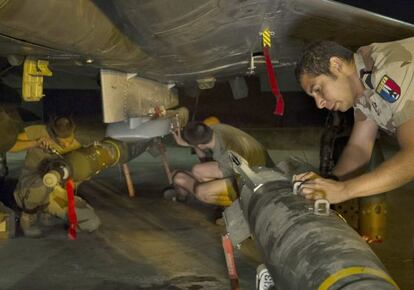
48,220
170,193
28,223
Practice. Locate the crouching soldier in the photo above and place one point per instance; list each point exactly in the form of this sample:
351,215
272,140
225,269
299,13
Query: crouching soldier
41,204
214,182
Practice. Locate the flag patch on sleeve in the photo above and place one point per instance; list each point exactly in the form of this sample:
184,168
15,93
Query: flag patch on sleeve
388,89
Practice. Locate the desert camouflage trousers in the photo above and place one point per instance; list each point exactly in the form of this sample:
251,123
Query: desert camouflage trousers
38,198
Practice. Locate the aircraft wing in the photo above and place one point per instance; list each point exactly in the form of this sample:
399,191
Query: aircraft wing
141,49
182,40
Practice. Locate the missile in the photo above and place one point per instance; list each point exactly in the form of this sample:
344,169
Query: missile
304,244
85,162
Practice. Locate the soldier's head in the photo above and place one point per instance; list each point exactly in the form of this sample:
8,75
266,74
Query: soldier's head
326,71
63,129
198,134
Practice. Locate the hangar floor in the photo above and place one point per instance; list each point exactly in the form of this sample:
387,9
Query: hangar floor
150,243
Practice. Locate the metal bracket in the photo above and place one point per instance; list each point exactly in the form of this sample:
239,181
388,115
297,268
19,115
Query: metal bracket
207,83
33,72
296,187
124,96
321,207
241,166
236,224
252,67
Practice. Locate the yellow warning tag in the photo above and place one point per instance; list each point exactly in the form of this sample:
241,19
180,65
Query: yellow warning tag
266,34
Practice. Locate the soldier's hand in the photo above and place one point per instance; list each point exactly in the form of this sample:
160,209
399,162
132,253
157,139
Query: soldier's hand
305,176
44,143
307,192
178,139
315,187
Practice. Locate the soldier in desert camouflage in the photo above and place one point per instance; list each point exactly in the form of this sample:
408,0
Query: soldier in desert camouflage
377,81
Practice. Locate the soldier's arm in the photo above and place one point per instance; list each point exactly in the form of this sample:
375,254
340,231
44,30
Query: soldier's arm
392,173
23,143
178,138
357,152
200,153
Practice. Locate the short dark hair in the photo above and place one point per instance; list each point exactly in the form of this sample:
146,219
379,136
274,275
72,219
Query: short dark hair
315,58
62,127
195,133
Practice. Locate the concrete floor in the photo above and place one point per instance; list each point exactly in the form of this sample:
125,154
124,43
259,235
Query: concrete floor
149,243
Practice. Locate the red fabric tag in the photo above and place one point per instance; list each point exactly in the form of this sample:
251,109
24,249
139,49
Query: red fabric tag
73,221
228,252
280,104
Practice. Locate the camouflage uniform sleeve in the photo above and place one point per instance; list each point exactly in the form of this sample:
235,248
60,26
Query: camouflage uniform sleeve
403,73
34,132
359,115
393,78
220,152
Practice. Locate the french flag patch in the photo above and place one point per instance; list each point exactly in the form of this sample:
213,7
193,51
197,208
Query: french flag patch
388,89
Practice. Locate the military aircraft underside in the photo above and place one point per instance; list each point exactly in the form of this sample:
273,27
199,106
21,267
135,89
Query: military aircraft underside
181,41
174,43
